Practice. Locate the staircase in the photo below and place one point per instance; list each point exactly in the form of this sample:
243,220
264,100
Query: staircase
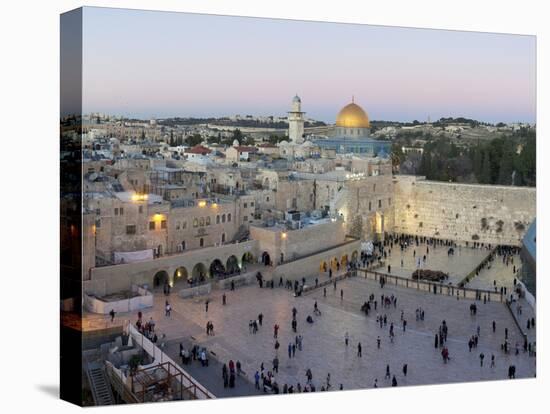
99,384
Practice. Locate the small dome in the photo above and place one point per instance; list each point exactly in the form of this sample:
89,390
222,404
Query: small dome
352,116
236,143
296,99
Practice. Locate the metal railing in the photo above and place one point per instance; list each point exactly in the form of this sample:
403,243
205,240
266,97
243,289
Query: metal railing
433,287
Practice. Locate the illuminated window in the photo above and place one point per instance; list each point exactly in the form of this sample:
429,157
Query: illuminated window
195,222
151,225
163,224
201,221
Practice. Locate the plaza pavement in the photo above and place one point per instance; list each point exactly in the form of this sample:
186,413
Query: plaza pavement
323,344
457,266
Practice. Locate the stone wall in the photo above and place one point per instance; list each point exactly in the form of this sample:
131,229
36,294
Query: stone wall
310,265
463,212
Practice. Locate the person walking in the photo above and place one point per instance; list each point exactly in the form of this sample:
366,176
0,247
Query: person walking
394,382
112,313
206,305
359,350
405,369
260,319
224,300
346,339
481,357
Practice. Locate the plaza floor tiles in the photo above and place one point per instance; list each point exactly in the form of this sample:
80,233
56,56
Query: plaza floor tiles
323,344
457,266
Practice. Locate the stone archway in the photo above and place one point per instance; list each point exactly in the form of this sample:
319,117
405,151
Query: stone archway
266,259
217,268
344,260
181,276
199,273
232,265
160,279
247,258
334,263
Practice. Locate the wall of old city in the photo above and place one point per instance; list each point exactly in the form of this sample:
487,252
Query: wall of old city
464,212
117,278
293,244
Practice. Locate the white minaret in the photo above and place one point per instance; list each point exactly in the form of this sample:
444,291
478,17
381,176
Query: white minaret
296,121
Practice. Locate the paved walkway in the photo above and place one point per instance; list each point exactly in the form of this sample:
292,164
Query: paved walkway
324,350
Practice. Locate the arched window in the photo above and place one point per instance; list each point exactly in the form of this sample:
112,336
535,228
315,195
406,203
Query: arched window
195,222
223,238
201,221
218,219
229,217
208,221
223,218
183,245
201,242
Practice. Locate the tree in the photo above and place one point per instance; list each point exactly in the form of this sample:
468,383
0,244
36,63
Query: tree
485,177
193,140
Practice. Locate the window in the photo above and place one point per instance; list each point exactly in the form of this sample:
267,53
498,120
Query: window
223,218
184,225
389,202
379,203
183,245
245,205
121,211
223,238
131,229
195,222
267,199
218,219
201,221
374,187
116,211
140,209
151,225
370,206
245,218
98,211
229,217
163,224
252,204
208,221
177,225
201,242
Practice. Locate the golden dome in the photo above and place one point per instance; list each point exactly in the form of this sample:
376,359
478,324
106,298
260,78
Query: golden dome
352,116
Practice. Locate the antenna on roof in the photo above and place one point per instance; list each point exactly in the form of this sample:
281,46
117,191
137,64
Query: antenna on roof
352,99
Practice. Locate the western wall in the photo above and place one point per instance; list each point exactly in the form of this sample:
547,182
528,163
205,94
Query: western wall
463,212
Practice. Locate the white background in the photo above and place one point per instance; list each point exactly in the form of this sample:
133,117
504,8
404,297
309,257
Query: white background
29,69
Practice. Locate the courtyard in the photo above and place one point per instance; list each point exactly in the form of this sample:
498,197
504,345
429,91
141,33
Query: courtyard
324,350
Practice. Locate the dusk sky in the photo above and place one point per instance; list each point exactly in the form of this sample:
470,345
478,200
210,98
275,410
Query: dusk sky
157,64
